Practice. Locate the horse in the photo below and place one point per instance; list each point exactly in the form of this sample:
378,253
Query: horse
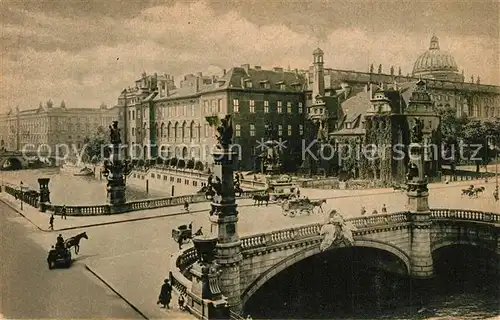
260,199
469,191
318,203
75,241
476,192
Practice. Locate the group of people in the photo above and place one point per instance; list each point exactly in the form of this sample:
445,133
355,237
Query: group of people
384,210
51,219
166,296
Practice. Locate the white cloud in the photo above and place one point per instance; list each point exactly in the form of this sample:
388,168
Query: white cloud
190,37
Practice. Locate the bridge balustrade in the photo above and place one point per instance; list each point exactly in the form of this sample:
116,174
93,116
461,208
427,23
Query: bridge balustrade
460,214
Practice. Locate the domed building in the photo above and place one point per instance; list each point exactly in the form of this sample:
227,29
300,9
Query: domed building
436,64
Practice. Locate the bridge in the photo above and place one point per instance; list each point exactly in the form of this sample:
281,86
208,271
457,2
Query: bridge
410,238
21,159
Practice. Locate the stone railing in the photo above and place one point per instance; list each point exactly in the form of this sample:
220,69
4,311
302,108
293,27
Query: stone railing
179,264
279,236
105,209
379,220
461,214
27,196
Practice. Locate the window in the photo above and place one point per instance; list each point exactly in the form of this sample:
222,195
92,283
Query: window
193,111
206,130
236,105
348,125
279,106
138,114
184,110
219,106
133,132
301,109
289,130
280,130
282,86
301,130
238,130
133,115
248,84
289,107
266,106
252,130
252,106
214,106
205,107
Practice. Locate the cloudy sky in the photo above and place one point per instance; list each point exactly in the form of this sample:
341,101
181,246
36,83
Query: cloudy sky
85,52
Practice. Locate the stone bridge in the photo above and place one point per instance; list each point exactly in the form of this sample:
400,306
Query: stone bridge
411,237
20,160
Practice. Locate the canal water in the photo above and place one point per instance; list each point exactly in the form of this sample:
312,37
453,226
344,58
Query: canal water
336,286
70,190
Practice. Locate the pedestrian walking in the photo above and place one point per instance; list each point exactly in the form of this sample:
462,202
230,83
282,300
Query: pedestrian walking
363,211
51,222
186,206
384,209
63,212
165,294
374,211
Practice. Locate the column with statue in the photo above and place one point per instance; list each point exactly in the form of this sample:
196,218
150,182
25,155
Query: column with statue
418,205
116,168
223,213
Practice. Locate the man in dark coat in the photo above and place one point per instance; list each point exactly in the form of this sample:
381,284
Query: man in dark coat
51,222
165,294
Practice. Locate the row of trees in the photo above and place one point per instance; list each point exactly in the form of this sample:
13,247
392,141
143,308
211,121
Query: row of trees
469,139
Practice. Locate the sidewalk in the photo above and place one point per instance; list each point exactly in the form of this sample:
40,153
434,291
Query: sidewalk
145,272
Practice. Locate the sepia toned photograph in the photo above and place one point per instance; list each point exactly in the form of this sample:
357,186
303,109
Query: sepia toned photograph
250,159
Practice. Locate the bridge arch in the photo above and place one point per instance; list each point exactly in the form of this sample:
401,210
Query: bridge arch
314,250
463,242
15,163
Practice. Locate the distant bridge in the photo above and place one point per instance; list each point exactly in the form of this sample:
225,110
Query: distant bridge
409,237
20,160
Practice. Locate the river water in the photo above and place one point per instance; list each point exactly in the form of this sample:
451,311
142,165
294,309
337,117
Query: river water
336,286
70,190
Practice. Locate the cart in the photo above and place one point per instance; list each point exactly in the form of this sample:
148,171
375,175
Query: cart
301,206
59,257
182,232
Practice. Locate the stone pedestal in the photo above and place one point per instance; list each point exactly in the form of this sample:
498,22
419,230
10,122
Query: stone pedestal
44,194
418,206
114,171
205,283
224,221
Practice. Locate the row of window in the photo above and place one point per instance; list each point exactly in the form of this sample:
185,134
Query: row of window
279,106
280,130
187,182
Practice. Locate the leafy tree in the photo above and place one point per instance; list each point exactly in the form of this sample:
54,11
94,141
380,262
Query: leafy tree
190,164
181,164
199,165
474,134
173,162
452,133
94,148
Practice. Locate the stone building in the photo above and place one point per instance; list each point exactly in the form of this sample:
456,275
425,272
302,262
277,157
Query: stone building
47,126
174,125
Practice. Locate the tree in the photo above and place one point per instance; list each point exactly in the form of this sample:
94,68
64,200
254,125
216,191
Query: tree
173,162
95,148
190,164
181,164
198,165
452,134
371,68
474,133
380,68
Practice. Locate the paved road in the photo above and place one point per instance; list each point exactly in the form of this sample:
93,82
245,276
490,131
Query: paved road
29,290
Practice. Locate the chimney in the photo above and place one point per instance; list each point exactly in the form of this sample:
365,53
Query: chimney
277,69
198,84
257,68
246,67
223,72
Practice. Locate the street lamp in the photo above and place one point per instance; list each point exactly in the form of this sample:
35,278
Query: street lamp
21,195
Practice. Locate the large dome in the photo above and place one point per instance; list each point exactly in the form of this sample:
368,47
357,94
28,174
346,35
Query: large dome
436,64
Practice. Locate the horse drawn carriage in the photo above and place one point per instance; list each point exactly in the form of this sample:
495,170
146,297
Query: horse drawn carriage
60,256
301,206
281,189
473,192
184,233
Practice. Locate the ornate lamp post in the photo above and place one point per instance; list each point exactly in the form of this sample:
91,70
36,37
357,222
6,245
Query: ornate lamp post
115,171
223,214
271,156
44,193
21,194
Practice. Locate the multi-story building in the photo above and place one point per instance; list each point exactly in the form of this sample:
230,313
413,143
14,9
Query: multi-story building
161,118
47,126
173,119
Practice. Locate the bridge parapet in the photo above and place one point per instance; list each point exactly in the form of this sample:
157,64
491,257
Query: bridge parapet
470,215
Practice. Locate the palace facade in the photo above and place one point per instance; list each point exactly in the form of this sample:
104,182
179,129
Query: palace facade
47,126
301,105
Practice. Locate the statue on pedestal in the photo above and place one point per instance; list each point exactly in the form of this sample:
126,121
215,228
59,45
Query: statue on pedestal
224,130
335,230
416,131
114,133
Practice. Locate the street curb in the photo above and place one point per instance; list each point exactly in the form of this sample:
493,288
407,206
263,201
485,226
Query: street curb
7,202
98,276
